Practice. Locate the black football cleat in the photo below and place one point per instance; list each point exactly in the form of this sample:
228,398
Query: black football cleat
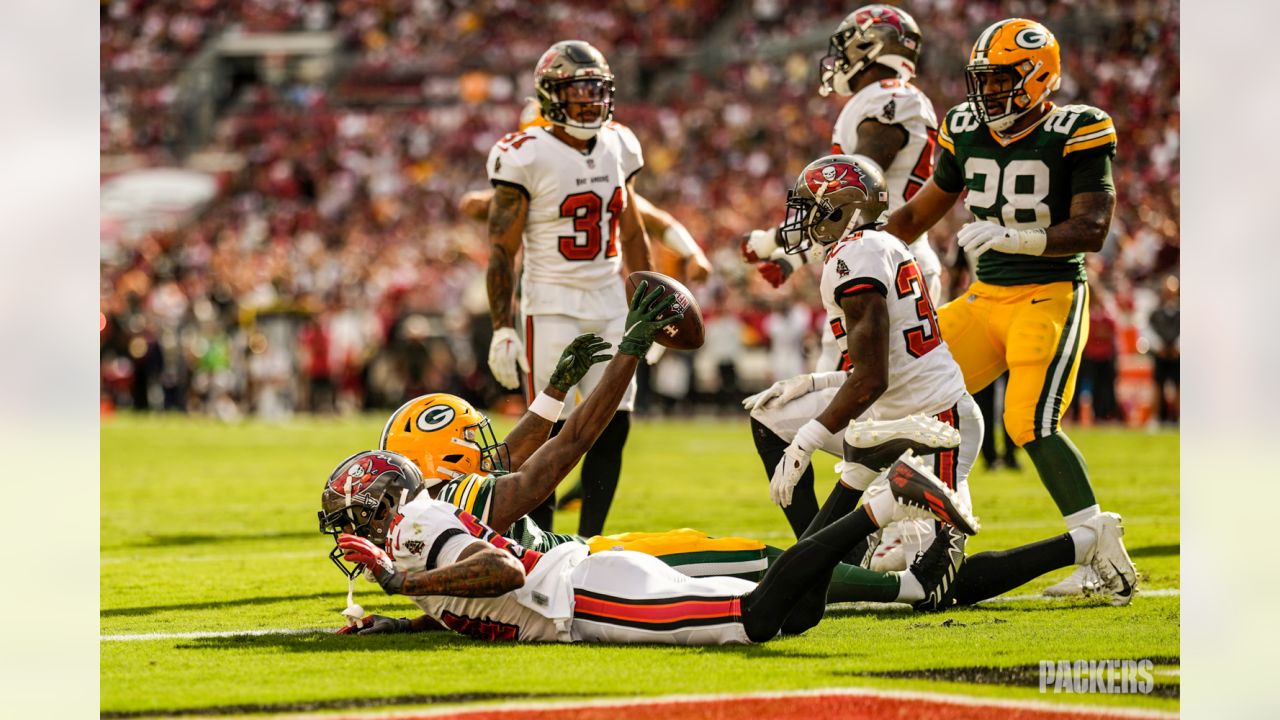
915,486
936,569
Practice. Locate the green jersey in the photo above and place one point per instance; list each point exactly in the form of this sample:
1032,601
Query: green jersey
1027,183
473,494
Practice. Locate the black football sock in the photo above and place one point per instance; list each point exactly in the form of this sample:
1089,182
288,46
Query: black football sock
809,561
600,470
990,574
1063,471
810,606
804,503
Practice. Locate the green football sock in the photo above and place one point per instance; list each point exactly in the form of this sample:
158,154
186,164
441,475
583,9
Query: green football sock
1063,471
854,583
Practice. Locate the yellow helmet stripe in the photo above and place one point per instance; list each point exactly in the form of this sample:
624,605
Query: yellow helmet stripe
981,47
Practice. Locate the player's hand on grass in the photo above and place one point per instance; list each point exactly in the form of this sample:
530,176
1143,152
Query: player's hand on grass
506,352
377,625
795,460
978,237
642,319
780,393
578,357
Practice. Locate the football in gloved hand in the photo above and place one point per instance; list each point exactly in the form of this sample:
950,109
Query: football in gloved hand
689,333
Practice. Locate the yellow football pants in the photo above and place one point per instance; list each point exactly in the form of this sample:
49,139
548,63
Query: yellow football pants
1036,332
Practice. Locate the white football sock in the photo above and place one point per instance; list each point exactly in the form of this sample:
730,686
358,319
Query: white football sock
881,507
1080,517
857,477
1083,538
909,588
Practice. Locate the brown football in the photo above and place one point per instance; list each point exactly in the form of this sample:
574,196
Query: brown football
687,334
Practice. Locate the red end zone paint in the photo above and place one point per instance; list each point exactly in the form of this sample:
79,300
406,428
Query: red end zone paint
852,705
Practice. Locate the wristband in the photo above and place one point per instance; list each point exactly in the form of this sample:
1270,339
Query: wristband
678,239
811,436
546,407
1031,241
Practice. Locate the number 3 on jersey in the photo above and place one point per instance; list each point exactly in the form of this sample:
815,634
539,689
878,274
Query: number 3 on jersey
585,210
923,338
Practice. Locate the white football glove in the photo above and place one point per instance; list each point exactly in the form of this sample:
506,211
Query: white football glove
779,393
784,391
977,237
506,352
794,460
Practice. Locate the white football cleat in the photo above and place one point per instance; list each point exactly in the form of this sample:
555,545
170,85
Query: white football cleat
877,443
1109,559
1083,580
900,543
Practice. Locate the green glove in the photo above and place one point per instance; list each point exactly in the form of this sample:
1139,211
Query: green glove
577,359
642,320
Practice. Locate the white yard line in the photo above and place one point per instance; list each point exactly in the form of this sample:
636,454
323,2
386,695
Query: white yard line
128,637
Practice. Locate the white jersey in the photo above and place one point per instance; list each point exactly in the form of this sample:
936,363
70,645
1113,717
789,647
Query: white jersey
572,262
923,377
568,595
431,534
894,102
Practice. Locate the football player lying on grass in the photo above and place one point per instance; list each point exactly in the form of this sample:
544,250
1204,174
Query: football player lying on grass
471,579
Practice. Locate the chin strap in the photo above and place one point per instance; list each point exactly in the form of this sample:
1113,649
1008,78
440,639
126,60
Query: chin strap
354,614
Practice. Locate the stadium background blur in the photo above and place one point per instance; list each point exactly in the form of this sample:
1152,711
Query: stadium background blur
281,178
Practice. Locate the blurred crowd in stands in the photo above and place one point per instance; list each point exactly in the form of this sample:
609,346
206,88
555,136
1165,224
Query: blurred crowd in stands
334,271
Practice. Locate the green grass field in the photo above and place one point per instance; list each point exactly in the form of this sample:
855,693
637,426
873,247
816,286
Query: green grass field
211,527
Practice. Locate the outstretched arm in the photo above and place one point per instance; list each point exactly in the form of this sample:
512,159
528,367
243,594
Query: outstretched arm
517,494
534,427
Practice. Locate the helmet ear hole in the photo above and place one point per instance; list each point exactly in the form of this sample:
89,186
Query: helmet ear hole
452,458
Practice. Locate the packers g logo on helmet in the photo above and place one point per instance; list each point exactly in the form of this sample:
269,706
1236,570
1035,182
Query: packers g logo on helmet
435,417
445,437
1031,38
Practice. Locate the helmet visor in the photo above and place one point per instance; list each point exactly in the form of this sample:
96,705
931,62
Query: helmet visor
586,102
802,214
495,458
992,89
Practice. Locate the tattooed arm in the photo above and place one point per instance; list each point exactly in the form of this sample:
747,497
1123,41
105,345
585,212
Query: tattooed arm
482,570
507,213
1087,227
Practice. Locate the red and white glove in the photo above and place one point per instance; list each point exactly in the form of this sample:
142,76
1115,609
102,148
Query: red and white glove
757,245
356,549
775,271
977,237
